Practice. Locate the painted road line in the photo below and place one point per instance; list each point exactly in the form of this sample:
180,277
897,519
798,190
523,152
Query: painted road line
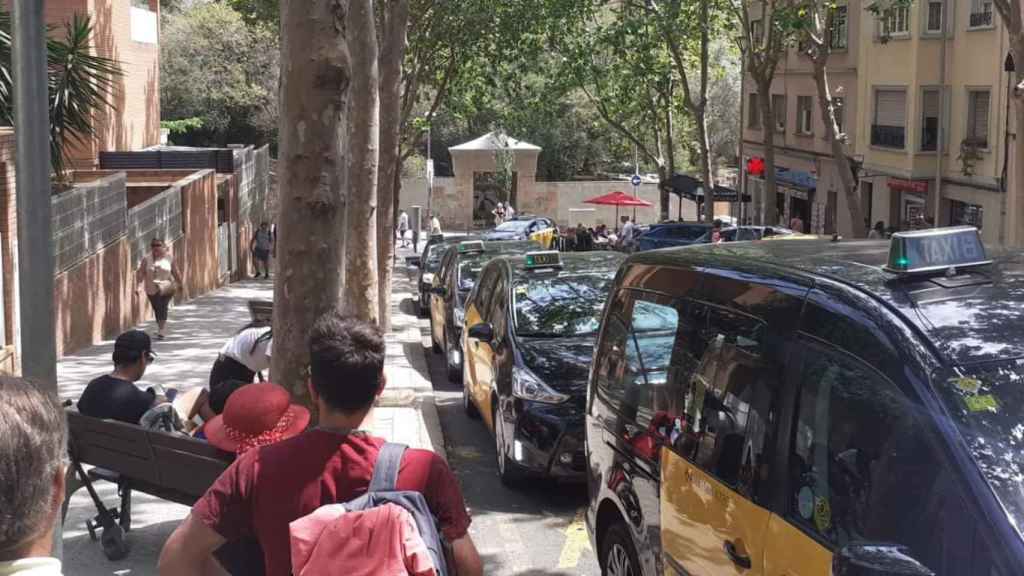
576,541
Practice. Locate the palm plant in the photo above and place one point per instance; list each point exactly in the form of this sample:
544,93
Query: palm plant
80,84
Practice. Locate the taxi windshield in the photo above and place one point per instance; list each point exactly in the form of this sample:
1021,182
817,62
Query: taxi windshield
561,306
468,273
513,226
987,404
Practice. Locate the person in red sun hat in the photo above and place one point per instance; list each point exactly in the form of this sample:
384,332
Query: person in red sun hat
256,415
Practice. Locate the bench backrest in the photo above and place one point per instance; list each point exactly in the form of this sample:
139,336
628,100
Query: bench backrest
181,465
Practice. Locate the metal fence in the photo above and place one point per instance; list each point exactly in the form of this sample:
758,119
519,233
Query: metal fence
220,159
252,171
158,217
87,218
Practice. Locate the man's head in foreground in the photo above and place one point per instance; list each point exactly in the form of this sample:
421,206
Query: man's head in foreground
33,445
346,360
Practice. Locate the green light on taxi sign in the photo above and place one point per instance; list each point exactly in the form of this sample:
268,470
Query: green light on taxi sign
936,250
471,246
549,259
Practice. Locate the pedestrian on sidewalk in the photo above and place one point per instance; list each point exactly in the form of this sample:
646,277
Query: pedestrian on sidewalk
262,246
160,278
269,487
403,227
244,356
435,225
32,451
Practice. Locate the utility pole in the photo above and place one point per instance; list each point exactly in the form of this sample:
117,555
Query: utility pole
35,239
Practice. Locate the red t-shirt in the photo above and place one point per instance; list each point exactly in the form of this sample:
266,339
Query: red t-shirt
269,487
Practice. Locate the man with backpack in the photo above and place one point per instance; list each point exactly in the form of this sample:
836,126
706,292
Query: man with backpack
270,487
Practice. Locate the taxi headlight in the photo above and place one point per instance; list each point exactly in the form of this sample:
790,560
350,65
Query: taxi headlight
527,386
428,278
460,317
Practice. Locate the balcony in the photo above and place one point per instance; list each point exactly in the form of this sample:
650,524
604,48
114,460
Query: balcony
981,19
888,136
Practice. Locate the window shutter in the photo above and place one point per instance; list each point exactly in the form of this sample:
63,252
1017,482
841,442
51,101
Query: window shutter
890,108
979,115
931,104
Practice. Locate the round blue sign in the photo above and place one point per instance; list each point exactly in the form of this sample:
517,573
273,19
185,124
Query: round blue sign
635,180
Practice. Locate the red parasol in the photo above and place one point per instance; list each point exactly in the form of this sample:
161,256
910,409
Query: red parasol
618,199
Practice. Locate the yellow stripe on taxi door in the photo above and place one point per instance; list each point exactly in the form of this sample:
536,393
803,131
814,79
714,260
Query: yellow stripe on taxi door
791,552
702,521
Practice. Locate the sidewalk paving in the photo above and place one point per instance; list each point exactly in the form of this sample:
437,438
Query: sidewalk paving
197,330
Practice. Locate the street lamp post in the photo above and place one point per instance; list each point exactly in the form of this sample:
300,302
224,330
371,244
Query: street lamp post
35,240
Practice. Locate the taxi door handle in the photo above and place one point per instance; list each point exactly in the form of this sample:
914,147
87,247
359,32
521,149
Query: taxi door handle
738,559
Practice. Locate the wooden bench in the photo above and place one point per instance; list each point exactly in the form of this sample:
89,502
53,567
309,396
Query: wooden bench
174,468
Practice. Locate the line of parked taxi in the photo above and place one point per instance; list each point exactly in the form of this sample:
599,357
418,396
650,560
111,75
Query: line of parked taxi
756,408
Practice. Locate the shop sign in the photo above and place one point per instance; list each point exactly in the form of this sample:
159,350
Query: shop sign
904,185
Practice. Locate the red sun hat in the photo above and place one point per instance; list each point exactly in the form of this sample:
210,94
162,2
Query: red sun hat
256,415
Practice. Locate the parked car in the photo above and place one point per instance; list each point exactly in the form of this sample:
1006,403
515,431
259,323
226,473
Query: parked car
670,235
522,227
530,329
811,407
429,263
746,233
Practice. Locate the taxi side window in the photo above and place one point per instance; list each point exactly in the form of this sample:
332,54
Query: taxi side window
485,291
652,333
727,417
864,466
499,302
608,372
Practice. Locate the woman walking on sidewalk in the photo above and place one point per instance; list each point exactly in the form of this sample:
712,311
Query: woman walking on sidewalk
161,280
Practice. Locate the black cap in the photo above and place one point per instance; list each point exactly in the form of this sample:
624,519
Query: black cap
135,342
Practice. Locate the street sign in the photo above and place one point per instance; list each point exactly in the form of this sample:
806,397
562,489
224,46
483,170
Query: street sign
635,180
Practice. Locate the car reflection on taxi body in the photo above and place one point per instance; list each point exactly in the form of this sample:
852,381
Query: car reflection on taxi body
811,408
453,281
530,328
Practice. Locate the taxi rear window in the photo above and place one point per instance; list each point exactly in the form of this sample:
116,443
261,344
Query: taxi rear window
987,404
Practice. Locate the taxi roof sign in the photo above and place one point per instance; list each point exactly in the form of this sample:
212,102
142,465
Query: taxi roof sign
471,246
546,259
936,250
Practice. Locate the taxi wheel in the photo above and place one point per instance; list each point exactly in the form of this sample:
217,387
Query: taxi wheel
618,555
467,402
508,471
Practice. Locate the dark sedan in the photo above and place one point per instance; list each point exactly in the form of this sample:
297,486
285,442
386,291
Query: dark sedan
671,235
531,324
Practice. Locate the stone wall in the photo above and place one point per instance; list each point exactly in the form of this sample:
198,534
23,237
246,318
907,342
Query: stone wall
562,201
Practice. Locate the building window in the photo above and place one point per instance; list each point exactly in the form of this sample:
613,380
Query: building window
757,31
839,109
964,214
779,110
888,129
839,29
977,117
931,104
753,112
934,20
981,13
803,115
896,22
144,4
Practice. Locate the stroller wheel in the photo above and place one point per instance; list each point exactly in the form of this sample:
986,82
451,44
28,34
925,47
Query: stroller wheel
114,545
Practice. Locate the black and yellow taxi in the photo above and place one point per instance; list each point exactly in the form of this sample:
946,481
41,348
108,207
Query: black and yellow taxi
430,262
456,276
530,328
811,408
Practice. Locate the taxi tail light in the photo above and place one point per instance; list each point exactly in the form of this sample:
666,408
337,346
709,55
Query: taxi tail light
527,386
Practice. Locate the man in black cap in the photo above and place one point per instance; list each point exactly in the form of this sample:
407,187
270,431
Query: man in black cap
115,396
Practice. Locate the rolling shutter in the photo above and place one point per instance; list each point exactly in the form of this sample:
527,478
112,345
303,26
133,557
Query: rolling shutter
891,108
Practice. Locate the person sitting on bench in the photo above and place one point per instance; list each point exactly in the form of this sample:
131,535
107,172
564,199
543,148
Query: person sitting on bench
114,396
32,450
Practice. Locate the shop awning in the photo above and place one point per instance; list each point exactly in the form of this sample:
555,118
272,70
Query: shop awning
796,179
686,186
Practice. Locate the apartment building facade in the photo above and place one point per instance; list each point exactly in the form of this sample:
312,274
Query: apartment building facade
921,80
808,185
937,118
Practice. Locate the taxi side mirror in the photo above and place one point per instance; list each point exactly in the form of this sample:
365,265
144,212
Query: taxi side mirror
483,332
874,559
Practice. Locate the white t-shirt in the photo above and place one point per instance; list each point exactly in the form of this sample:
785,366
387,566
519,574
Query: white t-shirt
627,233
241,348
403,221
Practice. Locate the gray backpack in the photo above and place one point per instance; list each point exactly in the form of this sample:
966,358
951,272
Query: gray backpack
382,491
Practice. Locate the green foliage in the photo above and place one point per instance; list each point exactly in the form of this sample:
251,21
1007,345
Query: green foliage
183,126
80,84
266,12
222,70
